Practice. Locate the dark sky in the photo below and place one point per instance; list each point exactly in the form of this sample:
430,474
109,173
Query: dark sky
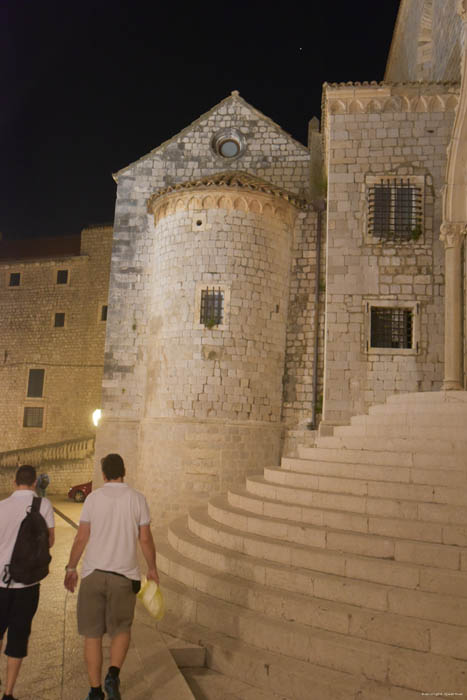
88,87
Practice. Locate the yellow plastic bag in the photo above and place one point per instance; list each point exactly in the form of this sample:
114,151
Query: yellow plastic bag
151,596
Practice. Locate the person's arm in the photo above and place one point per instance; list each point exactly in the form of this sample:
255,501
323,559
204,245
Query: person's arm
51,537
149,552
77,549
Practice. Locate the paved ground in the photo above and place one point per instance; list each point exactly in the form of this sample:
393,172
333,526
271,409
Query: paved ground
54,668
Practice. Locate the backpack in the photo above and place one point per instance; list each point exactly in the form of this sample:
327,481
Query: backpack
31,558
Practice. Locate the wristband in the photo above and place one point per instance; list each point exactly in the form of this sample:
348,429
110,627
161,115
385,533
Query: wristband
68,569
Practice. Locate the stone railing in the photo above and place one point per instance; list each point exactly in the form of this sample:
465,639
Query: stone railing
67,463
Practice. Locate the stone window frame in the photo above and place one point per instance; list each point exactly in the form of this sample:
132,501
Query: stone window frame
417,181
28,377
414,306
10,277
33,427
225,288
57,272
54,319
224,135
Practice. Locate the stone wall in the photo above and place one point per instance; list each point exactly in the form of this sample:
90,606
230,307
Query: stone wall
162,370
427,43
371,132
71,356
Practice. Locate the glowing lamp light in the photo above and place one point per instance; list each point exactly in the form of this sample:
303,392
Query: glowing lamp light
96,416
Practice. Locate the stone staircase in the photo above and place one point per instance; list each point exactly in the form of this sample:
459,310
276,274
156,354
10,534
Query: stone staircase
341,575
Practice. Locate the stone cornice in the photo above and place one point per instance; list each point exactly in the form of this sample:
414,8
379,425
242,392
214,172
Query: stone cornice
342,98
452,235
227,190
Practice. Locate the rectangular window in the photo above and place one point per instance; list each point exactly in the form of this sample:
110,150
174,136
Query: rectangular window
59,320
15,279
33,417
395,210
36,383
104,313
212,307
62,276
391,327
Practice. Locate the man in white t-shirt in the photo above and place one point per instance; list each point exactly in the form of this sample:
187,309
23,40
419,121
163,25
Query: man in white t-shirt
114,519
18,602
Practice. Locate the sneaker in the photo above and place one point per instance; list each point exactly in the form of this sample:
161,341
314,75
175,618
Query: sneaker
112,687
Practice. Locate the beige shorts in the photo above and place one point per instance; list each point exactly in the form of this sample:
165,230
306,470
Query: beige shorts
106,603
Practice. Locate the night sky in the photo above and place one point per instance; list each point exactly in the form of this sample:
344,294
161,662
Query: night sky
89,87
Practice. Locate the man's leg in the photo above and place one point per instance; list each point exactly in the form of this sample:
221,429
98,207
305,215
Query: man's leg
119,648
13,666
93,658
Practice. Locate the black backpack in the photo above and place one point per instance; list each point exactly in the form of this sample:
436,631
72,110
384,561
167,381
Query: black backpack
31,558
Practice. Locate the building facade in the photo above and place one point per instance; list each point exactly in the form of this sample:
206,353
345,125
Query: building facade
53,309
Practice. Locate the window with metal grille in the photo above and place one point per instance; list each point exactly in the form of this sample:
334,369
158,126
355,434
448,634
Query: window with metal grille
62,276
212,307
391,327
15,278
33,417
104,313
395,210
36,383
59,320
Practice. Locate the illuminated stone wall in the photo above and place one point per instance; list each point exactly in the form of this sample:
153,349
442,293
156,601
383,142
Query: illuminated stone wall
71,356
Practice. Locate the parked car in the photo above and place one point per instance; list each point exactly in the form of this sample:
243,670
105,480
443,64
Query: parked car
79,492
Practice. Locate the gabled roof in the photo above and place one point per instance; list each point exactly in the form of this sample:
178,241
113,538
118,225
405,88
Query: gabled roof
231,179
233,97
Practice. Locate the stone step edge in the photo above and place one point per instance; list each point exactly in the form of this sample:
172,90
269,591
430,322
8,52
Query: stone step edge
269,670
412,459
179,537
185,654
442,447
375,659
261,479
343,511
316,464
355,479
337,607
222,502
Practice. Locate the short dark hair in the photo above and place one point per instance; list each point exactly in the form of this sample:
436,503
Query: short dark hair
25,475
113,467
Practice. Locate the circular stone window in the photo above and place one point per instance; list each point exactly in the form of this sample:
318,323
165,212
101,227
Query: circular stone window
228,144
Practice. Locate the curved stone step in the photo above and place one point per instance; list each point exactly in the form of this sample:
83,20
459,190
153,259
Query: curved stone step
440,398
385,664
368,505
364,544
366,487
404,574
386,443
377,426
423,460
342,588
355,522
373,472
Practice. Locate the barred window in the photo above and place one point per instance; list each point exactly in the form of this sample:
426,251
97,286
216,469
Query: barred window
395,210
212,307
391,327
15,279
104,312
33,417
36,383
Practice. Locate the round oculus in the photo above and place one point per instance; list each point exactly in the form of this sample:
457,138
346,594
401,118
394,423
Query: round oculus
228,148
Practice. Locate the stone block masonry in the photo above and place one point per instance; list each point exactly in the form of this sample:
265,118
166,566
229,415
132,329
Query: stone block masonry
69,356
376,134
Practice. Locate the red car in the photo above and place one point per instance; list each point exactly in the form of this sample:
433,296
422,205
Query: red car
79,492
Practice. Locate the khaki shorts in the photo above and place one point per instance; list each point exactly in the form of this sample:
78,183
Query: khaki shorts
106,603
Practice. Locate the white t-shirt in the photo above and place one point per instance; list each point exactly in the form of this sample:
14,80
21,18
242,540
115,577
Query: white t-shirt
12,513
115,513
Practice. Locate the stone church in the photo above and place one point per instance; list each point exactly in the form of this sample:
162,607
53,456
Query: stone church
285,373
